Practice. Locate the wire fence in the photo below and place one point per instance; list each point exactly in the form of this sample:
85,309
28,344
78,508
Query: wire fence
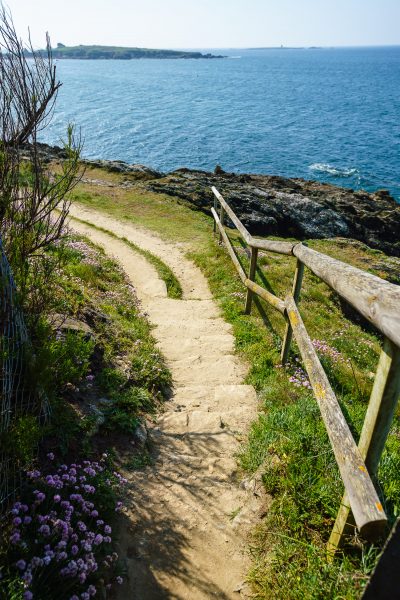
18,398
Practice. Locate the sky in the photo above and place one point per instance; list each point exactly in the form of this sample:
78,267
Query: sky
210,23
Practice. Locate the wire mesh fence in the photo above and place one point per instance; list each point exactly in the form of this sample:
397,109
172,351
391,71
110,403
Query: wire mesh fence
18,398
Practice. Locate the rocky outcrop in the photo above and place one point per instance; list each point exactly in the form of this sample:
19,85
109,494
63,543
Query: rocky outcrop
135,171
270,205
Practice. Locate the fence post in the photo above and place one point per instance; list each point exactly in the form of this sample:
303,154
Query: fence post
222,219
298,279
252,274
215,208
379,417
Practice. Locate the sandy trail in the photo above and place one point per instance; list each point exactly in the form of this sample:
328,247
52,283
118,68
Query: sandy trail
187,516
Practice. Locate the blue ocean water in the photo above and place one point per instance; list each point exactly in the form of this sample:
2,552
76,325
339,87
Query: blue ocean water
327,114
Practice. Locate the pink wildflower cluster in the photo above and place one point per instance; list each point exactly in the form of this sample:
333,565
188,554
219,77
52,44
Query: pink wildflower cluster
59,534
89,255
299,378
324,349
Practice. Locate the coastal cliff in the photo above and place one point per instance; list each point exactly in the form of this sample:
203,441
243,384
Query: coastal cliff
272,205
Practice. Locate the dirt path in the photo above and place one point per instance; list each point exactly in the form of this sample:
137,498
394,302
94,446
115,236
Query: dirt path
188,517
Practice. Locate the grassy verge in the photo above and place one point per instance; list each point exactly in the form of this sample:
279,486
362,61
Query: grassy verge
103,375
288,441
125,375
173,286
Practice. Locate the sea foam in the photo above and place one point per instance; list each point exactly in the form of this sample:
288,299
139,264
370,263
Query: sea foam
332,170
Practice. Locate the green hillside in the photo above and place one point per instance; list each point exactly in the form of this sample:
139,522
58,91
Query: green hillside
121,53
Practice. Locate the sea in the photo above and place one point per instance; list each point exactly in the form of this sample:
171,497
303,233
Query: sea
330,114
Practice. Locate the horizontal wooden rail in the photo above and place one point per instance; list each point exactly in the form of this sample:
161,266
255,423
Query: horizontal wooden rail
379,302
254,287
376,299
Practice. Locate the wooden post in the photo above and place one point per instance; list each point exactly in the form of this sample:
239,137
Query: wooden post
222,219
298,279
215,208
252,275
378,420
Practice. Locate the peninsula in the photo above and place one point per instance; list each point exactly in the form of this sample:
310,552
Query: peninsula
121,53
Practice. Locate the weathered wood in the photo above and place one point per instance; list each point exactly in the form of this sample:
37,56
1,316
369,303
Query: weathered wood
222,221
381,408
252,274
270,245
228,245
235,220
257,289
287,340
382,405
385,580
377,300
265,295
364,501
215,208
274,246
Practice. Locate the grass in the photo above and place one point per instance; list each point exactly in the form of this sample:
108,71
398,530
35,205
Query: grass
172,284
103,383
288,440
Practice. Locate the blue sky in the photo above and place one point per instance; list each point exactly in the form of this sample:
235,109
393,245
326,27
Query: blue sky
210,23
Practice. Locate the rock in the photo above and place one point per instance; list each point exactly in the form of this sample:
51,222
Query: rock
141,435
118,166
98,417
93,315
107,402
69,324
271,205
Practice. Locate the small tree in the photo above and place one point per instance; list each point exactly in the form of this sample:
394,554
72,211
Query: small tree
33,200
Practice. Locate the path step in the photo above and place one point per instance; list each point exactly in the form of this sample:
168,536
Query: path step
201,421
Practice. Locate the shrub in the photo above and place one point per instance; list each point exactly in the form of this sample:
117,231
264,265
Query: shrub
60,544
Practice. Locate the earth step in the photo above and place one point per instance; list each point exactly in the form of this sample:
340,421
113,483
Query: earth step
184,309
155,288
203,421
194,328
201,369
209,344
222,396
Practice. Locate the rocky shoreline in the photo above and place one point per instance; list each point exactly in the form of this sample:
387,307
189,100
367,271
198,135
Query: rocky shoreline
272,205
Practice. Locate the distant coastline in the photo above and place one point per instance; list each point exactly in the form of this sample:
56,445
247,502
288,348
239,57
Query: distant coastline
123,53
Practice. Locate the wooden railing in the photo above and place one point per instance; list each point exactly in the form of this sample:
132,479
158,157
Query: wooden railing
379,302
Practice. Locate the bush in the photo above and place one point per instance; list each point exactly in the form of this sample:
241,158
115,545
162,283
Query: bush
60,544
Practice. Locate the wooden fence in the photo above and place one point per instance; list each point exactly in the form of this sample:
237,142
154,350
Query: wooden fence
379,302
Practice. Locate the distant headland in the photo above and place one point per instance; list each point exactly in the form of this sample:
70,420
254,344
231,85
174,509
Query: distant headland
122,53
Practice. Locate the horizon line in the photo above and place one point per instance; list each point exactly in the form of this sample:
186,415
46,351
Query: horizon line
199,48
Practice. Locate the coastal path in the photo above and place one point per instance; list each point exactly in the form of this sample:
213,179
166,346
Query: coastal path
185,529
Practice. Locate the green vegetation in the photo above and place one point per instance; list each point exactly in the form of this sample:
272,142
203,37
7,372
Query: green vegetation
288,442
99,368
116,364
121,53
172,284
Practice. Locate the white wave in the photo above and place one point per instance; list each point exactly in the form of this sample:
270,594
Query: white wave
331,170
